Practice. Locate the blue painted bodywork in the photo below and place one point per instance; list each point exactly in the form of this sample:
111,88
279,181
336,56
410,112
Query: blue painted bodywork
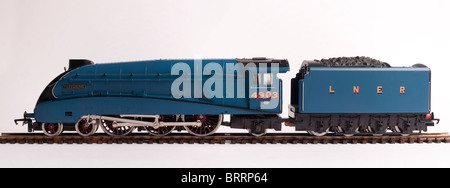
315,96
144,87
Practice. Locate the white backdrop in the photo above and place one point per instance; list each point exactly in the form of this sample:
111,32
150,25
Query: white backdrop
38,37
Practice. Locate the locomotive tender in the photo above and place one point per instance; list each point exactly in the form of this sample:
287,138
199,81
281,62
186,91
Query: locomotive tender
346,96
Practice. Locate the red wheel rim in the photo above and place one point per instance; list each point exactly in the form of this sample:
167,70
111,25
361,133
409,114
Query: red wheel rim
118,131
209,123
51,128
161,131
84,127
115,131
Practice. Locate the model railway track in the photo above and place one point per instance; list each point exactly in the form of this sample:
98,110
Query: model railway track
222,138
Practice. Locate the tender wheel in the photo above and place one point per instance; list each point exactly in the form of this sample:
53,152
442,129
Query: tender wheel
375,132
163,131
210,124
340,130
314,133
52,129
86,126
262,133
396,129
107,127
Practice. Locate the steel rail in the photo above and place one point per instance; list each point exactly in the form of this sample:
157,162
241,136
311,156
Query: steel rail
221,138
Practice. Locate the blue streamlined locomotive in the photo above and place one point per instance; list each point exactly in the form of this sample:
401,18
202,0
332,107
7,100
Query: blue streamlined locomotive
347,96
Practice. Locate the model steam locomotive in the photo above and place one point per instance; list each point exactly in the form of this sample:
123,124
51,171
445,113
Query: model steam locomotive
346,96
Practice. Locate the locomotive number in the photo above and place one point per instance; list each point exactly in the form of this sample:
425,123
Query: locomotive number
267,95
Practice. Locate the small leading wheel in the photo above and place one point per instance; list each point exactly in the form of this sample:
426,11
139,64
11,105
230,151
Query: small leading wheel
107,127
86,126
52,129
210,124
165,130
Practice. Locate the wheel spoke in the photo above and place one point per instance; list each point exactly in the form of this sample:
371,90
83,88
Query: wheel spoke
209,124
52,129
107,127
85,126
164,130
